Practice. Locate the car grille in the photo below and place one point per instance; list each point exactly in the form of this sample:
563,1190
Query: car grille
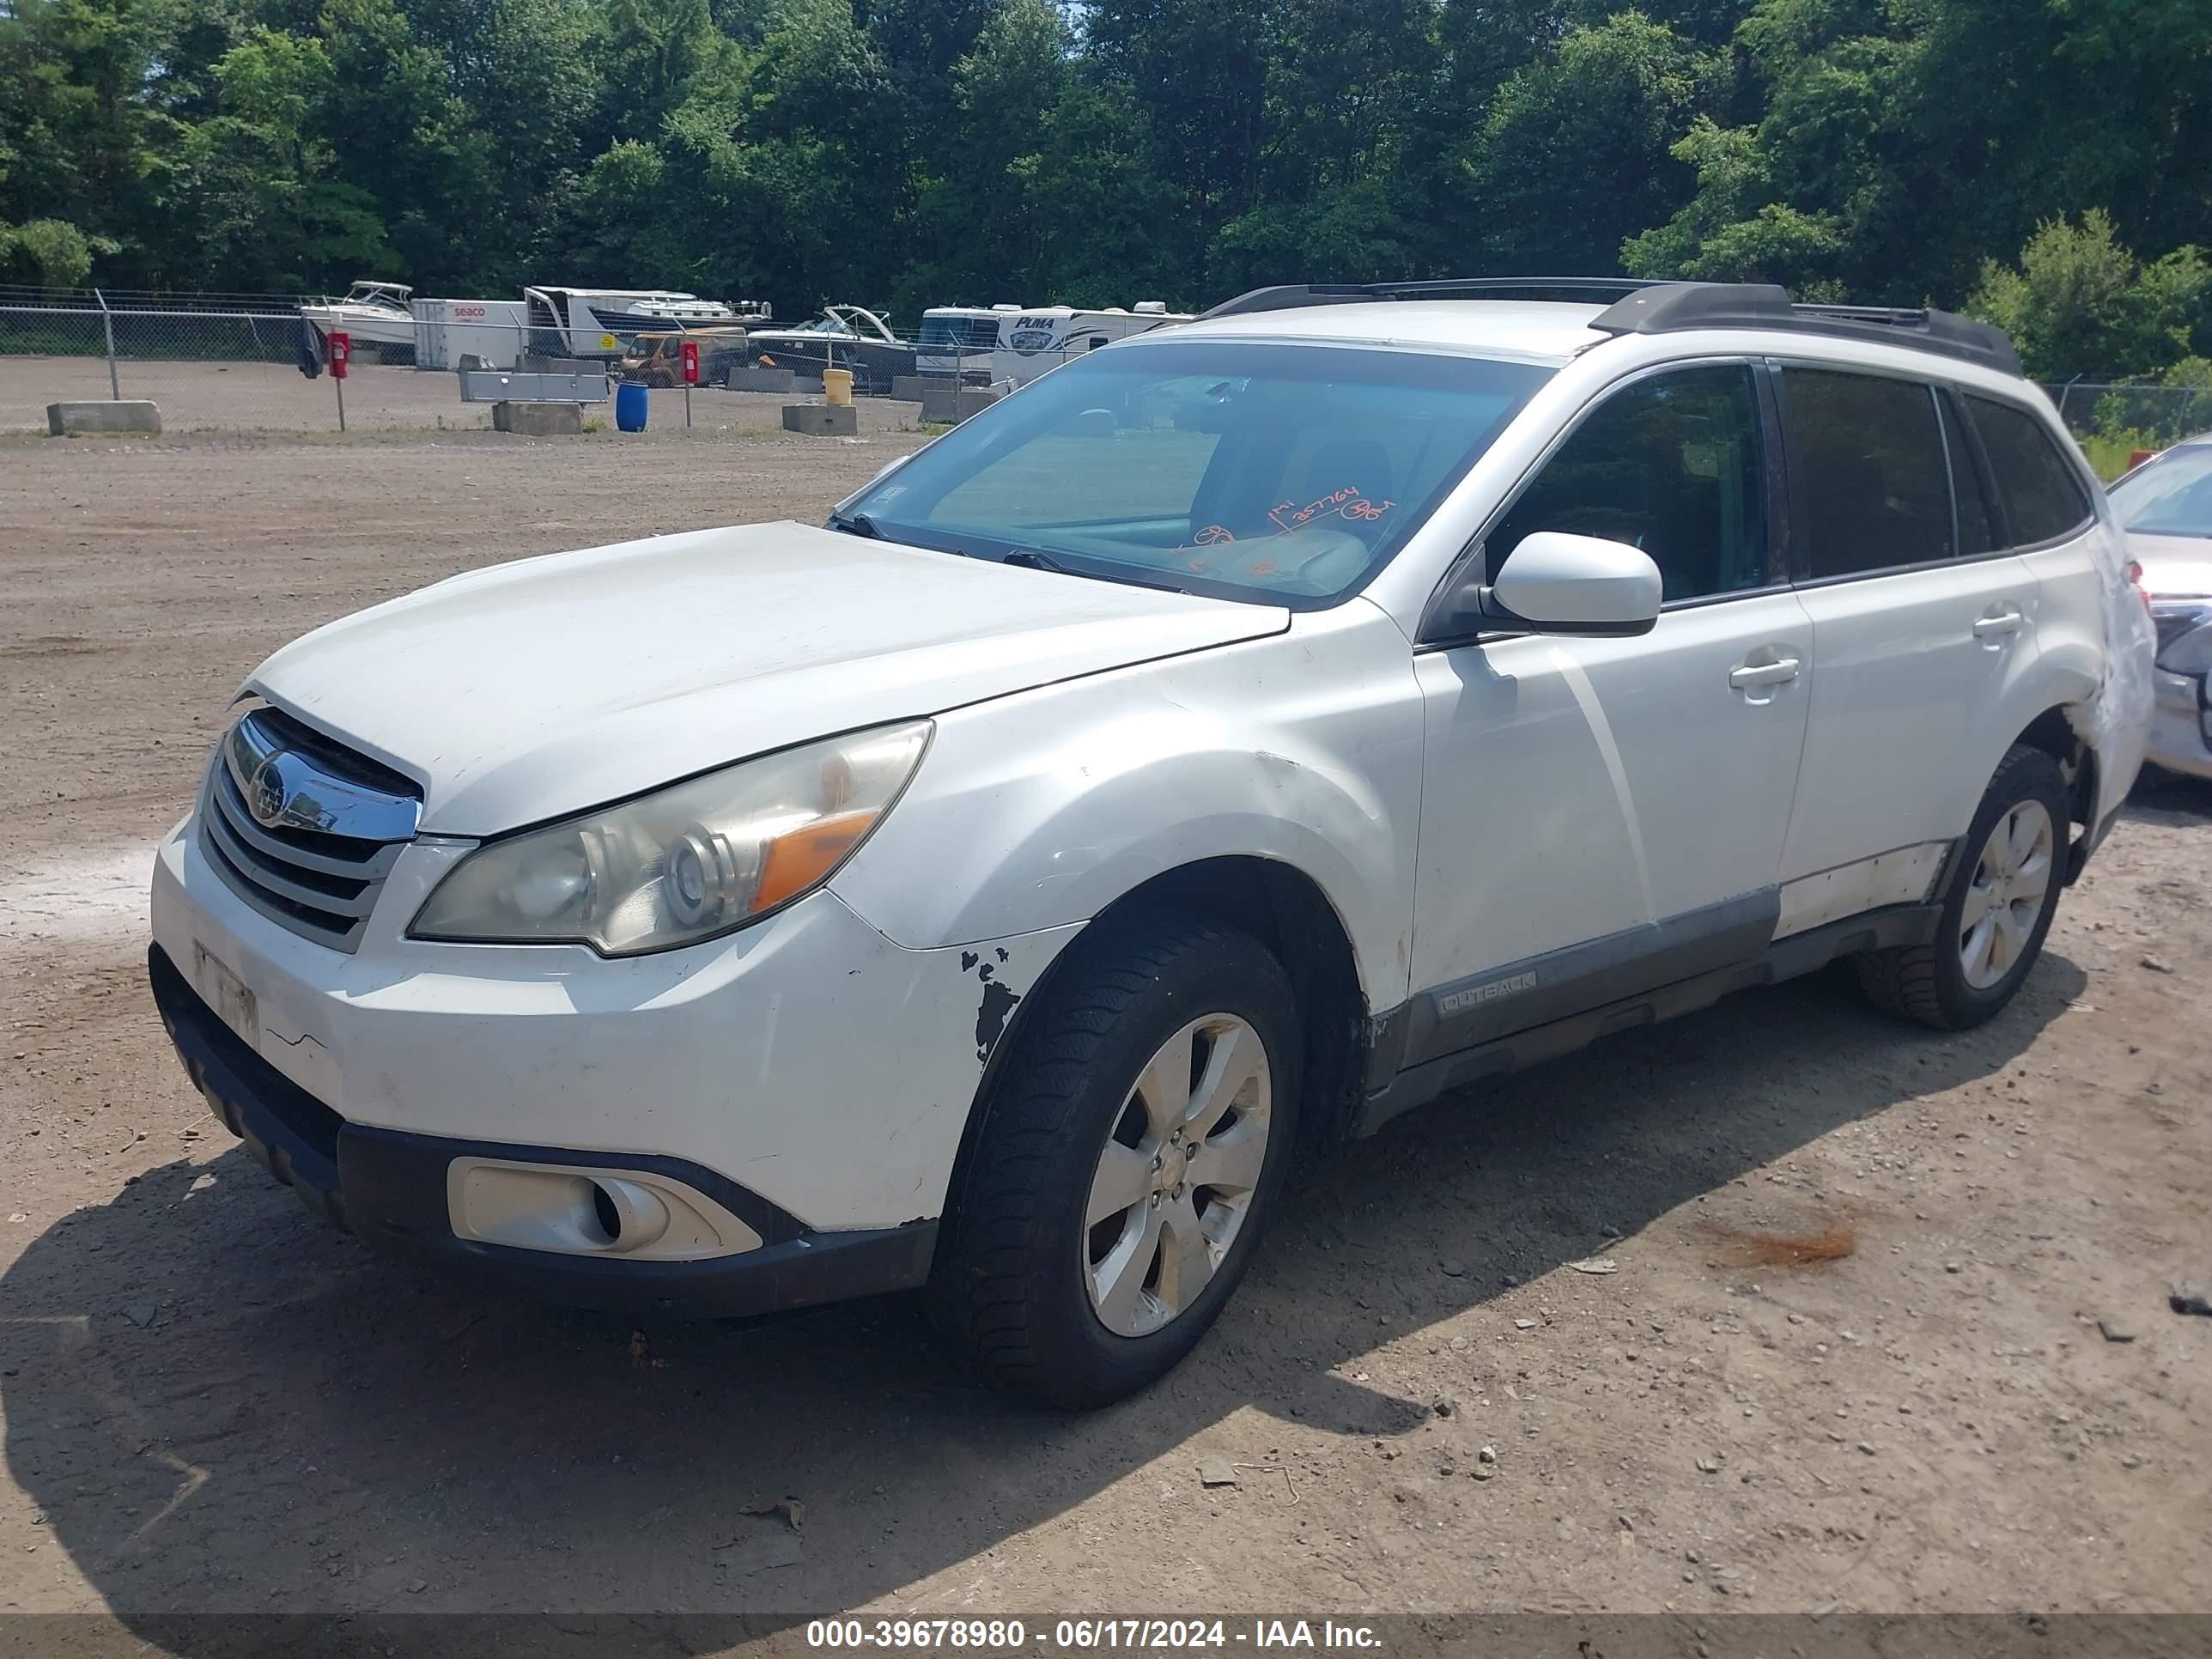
332,825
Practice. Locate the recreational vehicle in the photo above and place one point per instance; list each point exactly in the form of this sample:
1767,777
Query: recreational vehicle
1017,343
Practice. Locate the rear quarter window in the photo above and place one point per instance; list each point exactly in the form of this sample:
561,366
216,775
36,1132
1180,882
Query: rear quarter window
2041,493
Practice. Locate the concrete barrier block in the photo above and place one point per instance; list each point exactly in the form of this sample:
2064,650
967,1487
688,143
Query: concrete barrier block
127,415
782,380
942,401
906,388
538,419
822,420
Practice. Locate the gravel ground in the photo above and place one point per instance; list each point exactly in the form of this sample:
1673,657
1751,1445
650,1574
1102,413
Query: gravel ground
1886,1328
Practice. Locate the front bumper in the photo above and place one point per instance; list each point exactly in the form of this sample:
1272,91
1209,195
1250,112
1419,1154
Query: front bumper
2180,725
808,1065
389,1186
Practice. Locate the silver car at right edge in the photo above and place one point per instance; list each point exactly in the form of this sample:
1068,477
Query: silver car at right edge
2165,506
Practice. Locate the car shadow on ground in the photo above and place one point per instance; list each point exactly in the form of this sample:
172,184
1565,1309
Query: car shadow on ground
2170,798
222,1407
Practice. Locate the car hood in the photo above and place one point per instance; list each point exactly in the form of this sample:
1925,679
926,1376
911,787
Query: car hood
536,689
2173,566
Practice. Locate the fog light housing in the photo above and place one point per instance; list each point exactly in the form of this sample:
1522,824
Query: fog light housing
581,1210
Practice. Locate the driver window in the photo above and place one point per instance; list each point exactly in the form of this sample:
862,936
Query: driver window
1671,465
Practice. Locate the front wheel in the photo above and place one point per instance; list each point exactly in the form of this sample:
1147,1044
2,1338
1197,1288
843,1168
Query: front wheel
1126,1160
1997,905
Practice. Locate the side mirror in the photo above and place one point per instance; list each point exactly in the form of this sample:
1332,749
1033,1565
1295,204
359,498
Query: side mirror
1556,583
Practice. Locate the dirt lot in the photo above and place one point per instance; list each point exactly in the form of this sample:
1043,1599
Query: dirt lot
213,1404
276,398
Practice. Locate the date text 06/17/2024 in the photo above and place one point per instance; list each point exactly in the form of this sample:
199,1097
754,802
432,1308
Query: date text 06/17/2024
1088,1635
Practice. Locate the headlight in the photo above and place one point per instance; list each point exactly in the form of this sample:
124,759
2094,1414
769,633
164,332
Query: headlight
686,862
2185,635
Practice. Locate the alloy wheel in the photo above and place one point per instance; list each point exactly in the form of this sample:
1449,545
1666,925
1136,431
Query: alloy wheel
2011,883
1175,1180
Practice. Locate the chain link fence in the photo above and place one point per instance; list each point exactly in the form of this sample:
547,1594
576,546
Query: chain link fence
2150,417
254,362
204,368
247,363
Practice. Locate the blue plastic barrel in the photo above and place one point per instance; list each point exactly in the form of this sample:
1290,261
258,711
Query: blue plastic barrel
631,406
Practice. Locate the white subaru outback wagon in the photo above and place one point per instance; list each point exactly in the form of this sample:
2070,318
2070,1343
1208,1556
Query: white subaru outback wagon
1243,734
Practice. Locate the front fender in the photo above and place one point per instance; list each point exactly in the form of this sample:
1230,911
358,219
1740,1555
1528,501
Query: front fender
1038,810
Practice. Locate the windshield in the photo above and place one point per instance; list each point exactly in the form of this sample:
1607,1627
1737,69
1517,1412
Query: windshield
2169,496
1287,473
982,331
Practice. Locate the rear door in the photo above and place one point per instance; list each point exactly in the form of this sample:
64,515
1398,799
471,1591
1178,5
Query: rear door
1921,620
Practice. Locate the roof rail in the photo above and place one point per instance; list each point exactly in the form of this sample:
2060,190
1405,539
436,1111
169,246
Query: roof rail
1673,307
1297,295
1640,305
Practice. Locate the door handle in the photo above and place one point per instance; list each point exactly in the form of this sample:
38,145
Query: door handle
2005,622
1752,674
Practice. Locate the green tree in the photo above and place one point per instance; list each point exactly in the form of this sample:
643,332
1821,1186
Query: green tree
1899,142
654,57
933,150
1578,152
2078,302
49,252
398,131
260,187
86,143
977,217
1197,75
531,79
1733,230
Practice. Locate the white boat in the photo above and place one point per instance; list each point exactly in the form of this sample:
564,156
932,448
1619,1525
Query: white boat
371,315
597,322
842,336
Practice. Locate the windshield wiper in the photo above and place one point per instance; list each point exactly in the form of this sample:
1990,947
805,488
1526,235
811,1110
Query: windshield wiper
1030,559
856,524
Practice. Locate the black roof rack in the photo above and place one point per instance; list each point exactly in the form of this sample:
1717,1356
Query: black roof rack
1297,295
1674,306
1645,307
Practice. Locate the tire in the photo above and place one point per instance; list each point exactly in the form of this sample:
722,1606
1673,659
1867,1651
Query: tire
1940,984
1024,1282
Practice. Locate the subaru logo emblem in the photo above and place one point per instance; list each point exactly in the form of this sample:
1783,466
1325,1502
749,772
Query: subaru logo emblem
267,800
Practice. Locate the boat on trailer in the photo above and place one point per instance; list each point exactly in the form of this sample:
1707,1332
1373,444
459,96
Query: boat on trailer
598,322
374,316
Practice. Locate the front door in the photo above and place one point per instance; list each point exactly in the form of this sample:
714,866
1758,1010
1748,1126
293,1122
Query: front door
1601,817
